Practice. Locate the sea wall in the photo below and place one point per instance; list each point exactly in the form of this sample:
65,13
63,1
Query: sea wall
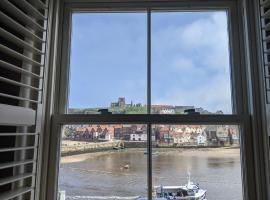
82,147
140,144
135,144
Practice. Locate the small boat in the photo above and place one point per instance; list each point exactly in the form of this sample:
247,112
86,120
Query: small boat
126,166
153,152
190,191
186,192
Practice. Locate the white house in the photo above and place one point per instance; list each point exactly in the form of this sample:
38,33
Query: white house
197,130
107,137
202,139
167,111
181,140
138,137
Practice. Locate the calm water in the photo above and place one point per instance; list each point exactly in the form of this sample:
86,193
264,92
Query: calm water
91,176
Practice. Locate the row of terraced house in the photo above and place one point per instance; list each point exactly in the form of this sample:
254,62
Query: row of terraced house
179,135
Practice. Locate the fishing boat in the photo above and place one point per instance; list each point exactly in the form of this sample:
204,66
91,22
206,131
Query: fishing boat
190,191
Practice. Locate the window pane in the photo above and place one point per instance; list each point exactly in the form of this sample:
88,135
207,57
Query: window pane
103,162
190,62
108,63
209,153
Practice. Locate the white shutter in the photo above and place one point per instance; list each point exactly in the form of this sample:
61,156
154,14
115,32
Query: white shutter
265,20
23,33
265,26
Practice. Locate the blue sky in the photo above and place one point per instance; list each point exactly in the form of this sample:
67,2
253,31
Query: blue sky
190,60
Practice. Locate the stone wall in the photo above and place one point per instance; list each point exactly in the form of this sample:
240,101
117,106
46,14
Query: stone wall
135,144
80,148
72,148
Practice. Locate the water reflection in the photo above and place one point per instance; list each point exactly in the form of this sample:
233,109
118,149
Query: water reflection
220,162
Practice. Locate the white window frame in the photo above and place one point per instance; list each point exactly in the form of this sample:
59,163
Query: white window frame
239,88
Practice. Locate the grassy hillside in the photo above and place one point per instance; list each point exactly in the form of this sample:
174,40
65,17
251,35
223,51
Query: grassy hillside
126,110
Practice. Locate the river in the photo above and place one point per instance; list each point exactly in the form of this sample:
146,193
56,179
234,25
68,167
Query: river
103,175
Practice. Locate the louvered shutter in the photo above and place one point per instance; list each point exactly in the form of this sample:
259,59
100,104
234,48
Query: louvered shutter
265,25
23,33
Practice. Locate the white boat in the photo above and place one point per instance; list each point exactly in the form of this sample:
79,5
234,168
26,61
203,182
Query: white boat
190,191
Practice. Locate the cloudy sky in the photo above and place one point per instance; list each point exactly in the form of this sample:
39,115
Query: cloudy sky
190,59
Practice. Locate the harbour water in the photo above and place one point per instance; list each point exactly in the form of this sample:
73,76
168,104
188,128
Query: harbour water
122,174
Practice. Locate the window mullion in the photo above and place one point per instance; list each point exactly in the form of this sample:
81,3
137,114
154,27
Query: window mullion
148,61
149,142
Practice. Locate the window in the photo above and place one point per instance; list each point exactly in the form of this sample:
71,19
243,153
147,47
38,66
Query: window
208,155
111,52
190,62
103,164
163,81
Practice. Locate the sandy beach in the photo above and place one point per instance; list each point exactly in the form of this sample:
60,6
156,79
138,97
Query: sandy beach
201,152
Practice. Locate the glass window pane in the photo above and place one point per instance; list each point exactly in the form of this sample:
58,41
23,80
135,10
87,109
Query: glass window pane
103,161
108,63
209,153
190,62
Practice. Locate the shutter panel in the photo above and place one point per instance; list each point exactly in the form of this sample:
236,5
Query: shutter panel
23,36
265,26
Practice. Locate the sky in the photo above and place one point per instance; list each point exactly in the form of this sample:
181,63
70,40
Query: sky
189,56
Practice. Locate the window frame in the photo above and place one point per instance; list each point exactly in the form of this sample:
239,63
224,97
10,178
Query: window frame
238,89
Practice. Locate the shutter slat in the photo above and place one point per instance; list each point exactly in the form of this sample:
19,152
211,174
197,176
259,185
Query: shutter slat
15,193
9,36
266,14
16,115
16,163
17,55
12,179
266,27
18,134
267,51
40,4
18,98
31,9
18,69
266,39
18,27
17,12
265,3
12,82
17,148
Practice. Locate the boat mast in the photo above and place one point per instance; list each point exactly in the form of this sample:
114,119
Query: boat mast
189,178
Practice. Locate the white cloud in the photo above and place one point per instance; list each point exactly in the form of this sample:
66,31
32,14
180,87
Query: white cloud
182,63
205,32
212,95
198,52
207,37
211,35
